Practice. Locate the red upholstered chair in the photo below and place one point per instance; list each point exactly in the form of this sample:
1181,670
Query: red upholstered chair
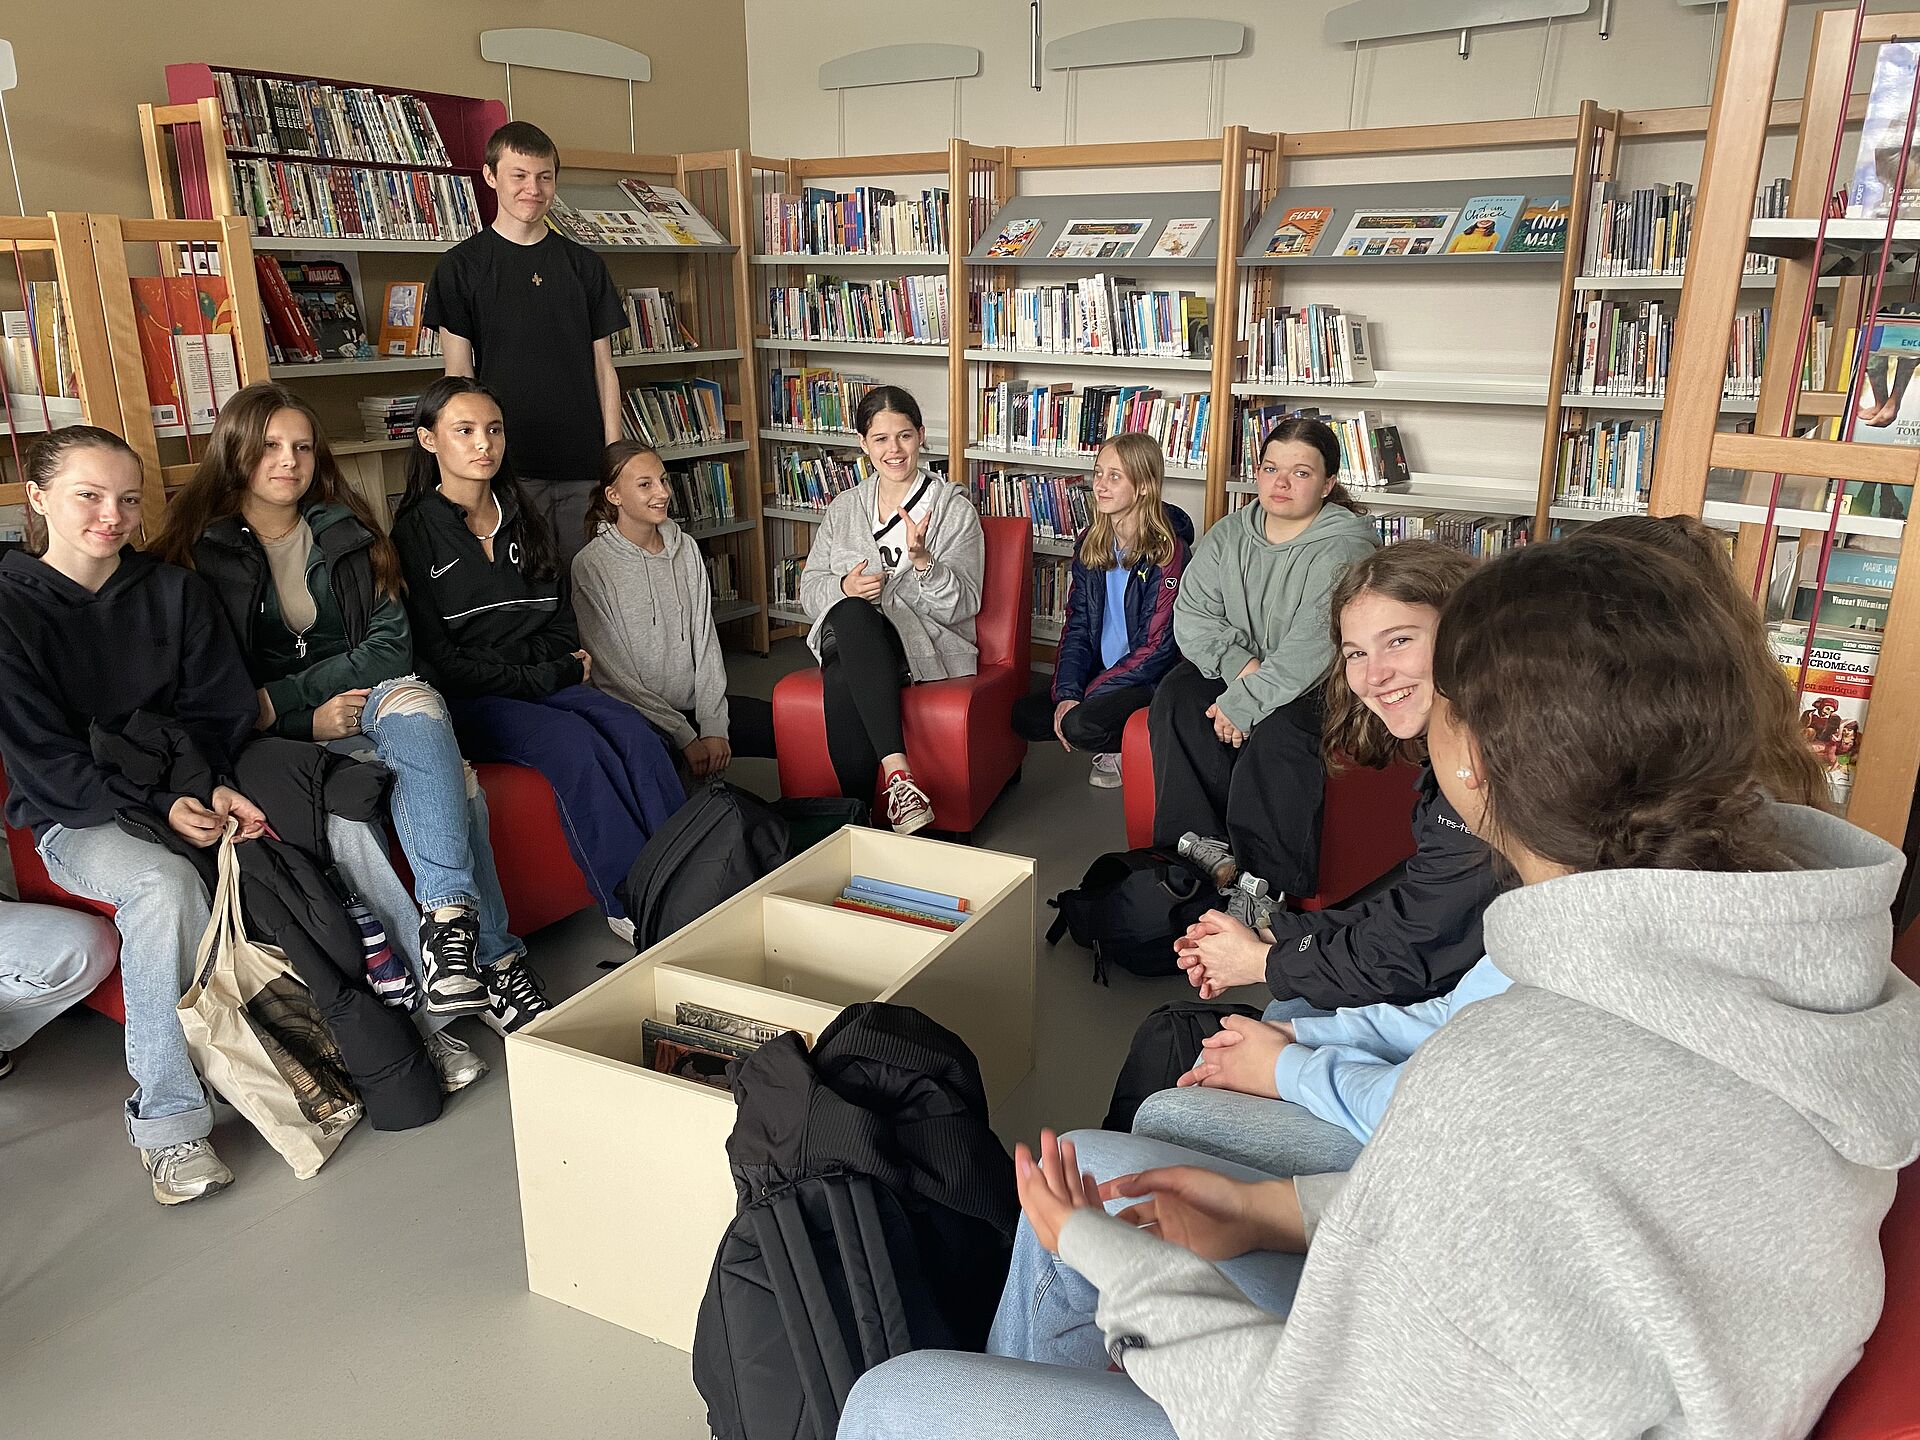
35,885
1364,833
959,733
1880,1399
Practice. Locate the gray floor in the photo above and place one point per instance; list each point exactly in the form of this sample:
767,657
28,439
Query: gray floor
387,1296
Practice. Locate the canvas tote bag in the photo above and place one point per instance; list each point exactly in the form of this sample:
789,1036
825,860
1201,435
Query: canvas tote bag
256,1035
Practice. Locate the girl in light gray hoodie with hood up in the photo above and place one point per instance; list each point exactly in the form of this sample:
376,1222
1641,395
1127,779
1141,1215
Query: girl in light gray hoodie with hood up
1638,1194
644,602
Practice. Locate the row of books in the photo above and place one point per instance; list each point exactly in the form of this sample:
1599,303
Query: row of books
1649,230
1311,345
1055,420
1608,465
1372,455
311,310
1483,536
785,577
867,220
662,217
1624,347
908,904
387,417
673,413
185,325
1484,225
654,326
701,1042
1103,239
1059,510
904,310
36,344
341,202
814,398
336,122
702,493
1098,315
721,572
1052,578
808,480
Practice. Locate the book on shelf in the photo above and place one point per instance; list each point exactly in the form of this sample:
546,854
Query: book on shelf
702,494
1098,239
901,310
1883,133
1180,239
1098,315
677,219
1485,223
1542,226
815,398
387,417
676,413
1014,238
1052,579
1041,419
803,481
1372,455
1607,466
400,314
1649,230
36,345
721,571
185,324
1298,230
322,294
1886,403
1835,693
336,122
867,220
307,201
785,581
1058,508
1310,345
1624,348
1482,536
1384,233
654,326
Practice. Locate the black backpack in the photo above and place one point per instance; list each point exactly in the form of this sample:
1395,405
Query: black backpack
713,847
1130,907
1163,1049
876,1216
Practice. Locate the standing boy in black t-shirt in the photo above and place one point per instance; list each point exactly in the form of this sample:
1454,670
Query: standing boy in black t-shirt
530,314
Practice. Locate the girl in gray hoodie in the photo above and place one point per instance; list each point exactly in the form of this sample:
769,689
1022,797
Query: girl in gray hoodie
1638,1194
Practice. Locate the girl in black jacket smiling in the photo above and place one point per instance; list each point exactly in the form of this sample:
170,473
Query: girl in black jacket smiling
493,630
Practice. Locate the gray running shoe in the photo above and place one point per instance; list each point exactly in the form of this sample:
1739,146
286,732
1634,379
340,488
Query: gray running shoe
185,1171
454,1061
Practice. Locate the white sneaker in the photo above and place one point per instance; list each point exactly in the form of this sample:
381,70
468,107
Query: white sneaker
908,808
185,1171
456,1063
621,926
1105,774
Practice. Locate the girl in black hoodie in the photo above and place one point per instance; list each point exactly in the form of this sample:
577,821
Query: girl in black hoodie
493,630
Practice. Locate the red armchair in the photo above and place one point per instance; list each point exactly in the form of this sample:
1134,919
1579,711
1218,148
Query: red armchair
1880,1399
1363,835
958,732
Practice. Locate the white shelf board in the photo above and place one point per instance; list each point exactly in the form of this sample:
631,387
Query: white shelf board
1671,282
792,513
1045,629
676,357
714,531
1729,405
729,610
1727,514
840,440
790,615
856,347
855,262
365,447
1451,494
379,365
341,244
30,414
1030,460
1171,364
1414,387
1054,545
671,453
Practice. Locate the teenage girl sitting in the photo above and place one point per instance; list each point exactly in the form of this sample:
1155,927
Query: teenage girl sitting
892,584
644,600
494,631
311,585
1117,642
1638,1193
1236,725
92,630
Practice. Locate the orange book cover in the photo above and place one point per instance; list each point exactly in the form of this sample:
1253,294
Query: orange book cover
186,330
400,317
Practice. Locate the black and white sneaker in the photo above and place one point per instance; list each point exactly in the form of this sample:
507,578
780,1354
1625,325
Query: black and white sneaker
447,948
514,996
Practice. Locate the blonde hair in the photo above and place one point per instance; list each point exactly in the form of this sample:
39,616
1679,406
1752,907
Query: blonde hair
1153,539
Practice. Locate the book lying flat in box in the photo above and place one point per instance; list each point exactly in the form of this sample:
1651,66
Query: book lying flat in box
1378,234
1484,224
1299,230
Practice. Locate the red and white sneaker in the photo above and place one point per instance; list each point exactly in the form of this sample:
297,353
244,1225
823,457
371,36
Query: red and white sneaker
908,808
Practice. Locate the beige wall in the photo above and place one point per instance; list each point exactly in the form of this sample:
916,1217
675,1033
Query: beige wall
85,64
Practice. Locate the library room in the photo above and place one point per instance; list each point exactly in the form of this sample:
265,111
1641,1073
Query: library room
758,720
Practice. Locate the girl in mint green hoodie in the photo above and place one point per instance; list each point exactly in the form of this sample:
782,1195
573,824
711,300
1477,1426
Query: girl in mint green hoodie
1236,726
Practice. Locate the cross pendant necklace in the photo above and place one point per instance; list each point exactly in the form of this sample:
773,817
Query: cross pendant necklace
536,277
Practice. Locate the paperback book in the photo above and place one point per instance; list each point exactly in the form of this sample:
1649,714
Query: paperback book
1834,695
1374,234
671,214
1181,239
1299,230
1014,238
1485,223
1098,239
1887,410
1542,227
400,317
186,341
1882,132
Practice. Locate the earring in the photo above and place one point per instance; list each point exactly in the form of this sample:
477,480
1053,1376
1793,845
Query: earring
1463,773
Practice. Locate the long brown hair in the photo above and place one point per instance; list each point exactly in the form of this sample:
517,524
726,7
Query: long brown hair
1413,572
1612,709
600,509
1142,461
1787,765
540,558
1320,436
47,456
234,449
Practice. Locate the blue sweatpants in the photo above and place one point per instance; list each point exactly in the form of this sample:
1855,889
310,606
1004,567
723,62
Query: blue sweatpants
609,769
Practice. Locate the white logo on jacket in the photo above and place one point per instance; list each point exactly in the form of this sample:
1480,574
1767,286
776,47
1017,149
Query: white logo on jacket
434,572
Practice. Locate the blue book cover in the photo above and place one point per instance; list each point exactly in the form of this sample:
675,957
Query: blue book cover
1485,223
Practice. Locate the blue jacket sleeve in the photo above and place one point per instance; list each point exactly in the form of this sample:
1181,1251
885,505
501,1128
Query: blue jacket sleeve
1342,1086
1073,653
1389,1032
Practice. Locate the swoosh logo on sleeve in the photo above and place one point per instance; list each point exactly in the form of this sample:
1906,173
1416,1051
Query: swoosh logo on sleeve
434,572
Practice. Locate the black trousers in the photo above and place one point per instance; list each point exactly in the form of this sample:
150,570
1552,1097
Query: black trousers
749,726
861,675
1266,798
1094,725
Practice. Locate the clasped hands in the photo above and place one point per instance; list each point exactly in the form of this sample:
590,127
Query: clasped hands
203,825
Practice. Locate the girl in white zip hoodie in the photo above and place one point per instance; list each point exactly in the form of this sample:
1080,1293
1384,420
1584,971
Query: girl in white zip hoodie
644,602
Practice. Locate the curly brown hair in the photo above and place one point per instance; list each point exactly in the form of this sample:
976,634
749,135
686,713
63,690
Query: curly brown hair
1788,768
1612,708
1414,572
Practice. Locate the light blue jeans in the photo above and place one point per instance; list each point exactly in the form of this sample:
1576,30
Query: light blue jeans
1046,1312
942,1395
50,958
161,910
439,811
